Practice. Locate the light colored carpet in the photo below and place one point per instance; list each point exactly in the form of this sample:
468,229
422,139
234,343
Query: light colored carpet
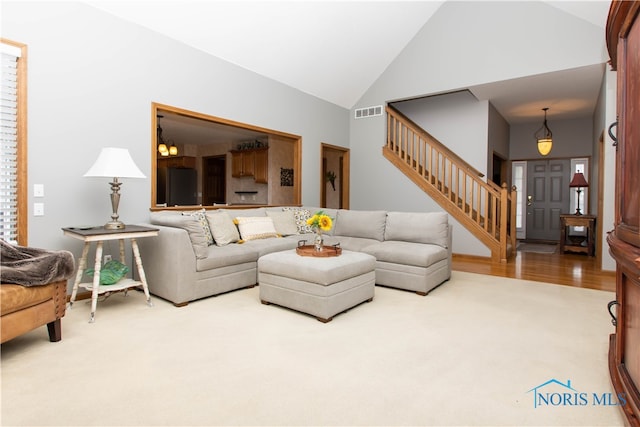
467,354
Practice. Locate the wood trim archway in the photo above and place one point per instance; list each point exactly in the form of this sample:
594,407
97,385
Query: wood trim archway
157,107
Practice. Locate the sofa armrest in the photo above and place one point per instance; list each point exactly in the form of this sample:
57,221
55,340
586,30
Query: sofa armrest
169,263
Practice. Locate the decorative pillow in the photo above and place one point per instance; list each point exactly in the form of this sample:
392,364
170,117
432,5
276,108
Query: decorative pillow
233,213
201,217
284,222
418,227
222,227
301,216
256,227
188,223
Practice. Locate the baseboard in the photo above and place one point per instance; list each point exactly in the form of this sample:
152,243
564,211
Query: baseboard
466,257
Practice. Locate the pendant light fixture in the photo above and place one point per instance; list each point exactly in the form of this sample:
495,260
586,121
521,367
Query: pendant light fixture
173,150
543,136
162,146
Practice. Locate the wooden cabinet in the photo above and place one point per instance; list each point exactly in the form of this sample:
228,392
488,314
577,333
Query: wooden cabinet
261,166
254,163
586,245
623,42
177,162
242,163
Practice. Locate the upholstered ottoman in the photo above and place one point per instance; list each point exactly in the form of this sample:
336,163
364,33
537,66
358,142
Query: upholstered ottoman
320,286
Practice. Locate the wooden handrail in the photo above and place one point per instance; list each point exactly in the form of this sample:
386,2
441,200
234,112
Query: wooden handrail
484,208
410,124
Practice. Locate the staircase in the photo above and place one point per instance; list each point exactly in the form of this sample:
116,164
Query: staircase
485,209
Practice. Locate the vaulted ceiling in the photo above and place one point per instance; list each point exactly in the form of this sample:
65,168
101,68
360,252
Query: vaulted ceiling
335,50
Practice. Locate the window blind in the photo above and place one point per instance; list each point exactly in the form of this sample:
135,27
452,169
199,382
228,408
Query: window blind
9,142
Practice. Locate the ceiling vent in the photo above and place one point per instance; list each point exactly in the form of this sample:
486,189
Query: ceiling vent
362,113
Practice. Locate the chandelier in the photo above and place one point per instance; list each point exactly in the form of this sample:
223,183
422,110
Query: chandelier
162,144
543,136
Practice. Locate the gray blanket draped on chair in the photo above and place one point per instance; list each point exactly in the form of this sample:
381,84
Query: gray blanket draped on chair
26,266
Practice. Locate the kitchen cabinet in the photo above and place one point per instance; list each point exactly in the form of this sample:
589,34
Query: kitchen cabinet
252,163
261,166
177,162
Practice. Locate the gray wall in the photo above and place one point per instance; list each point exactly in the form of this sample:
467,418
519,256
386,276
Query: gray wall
571,138
460,122
92,79
498,140
464,44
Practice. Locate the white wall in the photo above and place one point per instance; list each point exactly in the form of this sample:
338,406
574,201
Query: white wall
91,81
467,43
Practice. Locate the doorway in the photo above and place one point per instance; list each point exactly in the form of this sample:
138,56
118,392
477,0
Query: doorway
334,178
214,182
500,165
547,198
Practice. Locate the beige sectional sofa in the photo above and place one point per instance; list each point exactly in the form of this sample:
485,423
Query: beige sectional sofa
198,254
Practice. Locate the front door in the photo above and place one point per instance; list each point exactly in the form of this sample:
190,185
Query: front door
547,197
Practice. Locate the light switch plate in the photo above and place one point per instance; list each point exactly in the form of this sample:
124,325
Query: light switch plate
38,209
38,190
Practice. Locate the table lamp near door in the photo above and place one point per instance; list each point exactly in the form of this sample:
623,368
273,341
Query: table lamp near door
114,163
578,181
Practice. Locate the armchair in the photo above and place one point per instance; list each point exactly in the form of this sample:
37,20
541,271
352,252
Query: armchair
26,308
33,290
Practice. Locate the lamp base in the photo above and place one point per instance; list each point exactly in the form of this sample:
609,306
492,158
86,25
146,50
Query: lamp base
114,225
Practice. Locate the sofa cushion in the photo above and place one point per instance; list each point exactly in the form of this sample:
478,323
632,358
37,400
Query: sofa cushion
200,216
188,223
418,227
407,253
356,244
222,227
267,246
284,222
256,227
226,257
365,224
301,216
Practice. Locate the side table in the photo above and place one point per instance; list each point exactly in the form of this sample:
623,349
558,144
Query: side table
587,221
100,235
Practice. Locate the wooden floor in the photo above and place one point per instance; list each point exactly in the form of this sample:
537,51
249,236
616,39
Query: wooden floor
565,269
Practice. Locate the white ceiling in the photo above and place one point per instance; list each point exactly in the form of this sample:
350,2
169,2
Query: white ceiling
335,49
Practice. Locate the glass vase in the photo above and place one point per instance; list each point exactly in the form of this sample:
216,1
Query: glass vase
318,241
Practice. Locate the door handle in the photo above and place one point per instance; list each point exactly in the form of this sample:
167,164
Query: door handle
529,200
614,319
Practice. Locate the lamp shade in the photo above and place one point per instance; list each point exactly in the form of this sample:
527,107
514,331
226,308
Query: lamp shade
578,180
114,163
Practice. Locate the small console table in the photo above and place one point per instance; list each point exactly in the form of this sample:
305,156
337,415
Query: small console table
100,235
587,221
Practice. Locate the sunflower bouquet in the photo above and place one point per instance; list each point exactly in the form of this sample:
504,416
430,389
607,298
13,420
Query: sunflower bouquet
320,222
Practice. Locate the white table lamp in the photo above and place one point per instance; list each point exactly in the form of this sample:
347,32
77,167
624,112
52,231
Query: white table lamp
114,163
